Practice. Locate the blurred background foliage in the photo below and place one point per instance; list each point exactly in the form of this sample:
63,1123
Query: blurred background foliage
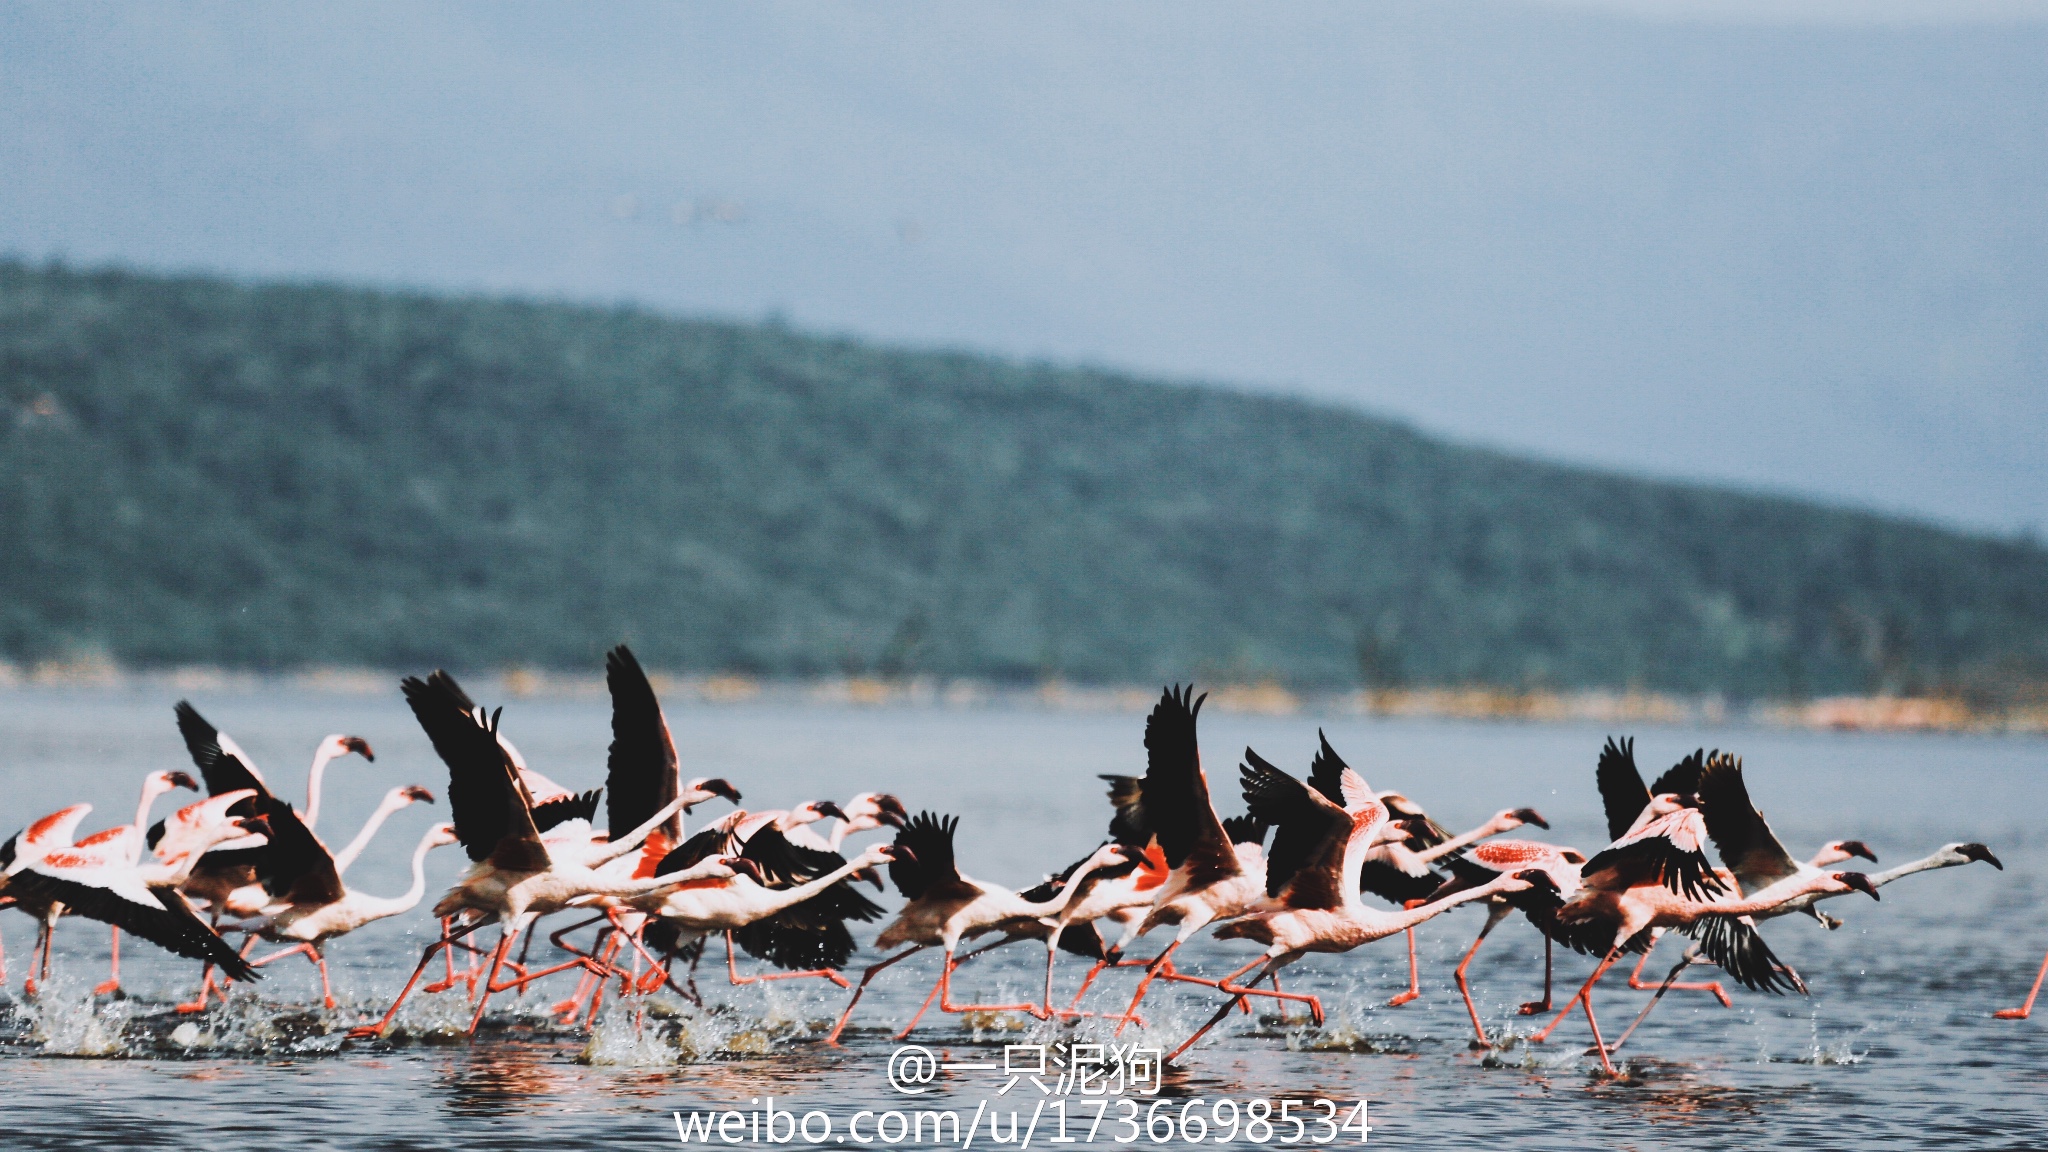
195,471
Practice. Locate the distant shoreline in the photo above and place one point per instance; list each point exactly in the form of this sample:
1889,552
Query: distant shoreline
1880,713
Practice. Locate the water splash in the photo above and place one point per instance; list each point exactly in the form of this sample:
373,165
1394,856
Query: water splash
66,1020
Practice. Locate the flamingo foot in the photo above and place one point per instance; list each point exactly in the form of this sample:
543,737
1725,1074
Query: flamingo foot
2011,1014
1533,1008
106,988
190,1006
1401,999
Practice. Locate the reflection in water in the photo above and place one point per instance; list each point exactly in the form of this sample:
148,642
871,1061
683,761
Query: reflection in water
503,1077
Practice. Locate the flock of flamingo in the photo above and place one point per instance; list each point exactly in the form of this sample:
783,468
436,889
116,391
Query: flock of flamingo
776,885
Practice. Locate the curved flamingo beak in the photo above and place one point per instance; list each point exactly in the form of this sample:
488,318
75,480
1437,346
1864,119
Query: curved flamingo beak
890,811
719,787
1859,848
1859,882
828,808
751,869
1980,852
416,794
254,825
182,780
359,746
1530,816
1539,880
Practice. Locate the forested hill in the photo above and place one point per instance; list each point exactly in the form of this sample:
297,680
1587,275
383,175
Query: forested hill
197,471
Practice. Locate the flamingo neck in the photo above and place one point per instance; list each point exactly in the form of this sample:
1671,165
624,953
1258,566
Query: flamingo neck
1769,898
319,769
781,898
394,905
1924,864
619,846
347,856
152,788
1493,827
1064,896
1410,917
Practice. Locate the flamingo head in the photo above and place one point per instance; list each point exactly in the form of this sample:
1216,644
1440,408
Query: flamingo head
741,866
1836,851
1114,853
412,794
874,810
1522,816
1665,803
440,835
1970,852
812,811
1539,880
1395,831
165,781
211,812
1857,881
339,745
706,788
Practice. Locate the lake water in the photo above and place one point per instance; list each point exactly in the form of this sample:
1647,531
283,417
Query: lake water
1894,1047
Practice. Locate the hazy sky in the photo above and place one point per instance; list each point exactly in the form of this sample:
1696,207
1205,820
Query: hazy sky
1799,246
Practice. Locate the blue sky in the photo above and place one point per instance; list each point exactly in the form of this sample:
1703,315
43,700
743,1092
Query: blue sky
1792,246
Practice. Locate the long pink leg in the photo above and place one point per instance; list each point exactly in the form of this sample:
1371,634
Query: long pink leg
426,958
1163,960
1683,963
870,974
1635,981
39,960
1582,996
1586,1000
1543,1005
921,1010
1238,993
1465,988
2024,1010
498,955
1414,977
946,996
934,993
732,971
113,981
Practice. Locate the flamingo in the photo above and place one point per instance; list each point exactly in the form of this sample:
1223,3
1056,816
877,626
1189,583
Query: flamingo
227,878
642,775
124,843
314,906
1313,896
946,907
1398,870
1209,878
789,906
1658,877
1485,862
1629,804
101,883
52,833
1756,860
866,812
515,875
